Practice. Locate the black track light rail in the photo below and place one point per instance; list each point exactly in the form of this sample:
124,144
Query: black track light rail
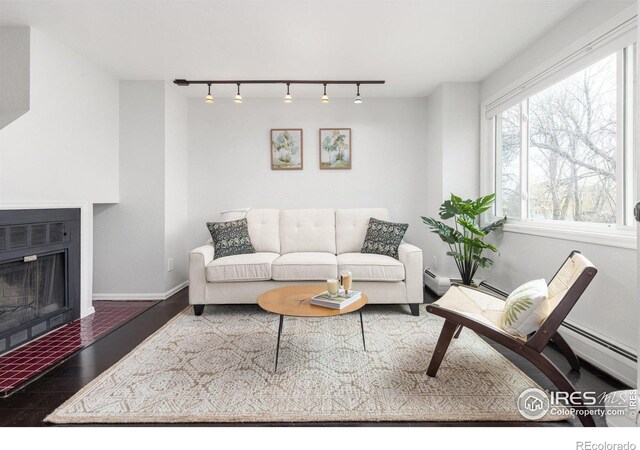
181,82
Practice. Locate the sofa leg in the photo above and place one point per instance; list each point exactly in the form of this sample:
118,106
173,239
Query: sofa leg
198,309
415,308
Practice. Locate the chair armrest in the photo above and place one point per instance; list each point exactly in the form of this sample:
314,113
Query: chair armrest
411,257
198,260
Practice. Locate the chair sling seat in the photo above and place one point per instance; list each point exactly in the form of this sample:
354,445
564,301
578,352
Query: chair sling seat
476,305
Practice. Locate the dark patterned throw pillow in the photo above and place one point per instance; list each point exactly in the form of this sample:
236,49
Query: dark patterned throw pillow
230,238
384,238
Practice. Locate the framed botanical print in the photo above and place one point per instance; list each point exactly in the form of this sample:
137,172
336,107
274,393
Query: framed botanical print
286,149
335,148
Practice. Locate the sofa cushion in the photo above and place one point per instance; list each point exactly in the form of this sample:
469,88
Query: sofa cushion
249,267
371,267
305,266
234,214
307,230
263,224
264,229
384,238
230,238
351,227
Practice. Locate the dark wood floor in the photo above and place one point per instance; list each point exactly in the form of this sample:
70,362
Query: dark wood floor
31,405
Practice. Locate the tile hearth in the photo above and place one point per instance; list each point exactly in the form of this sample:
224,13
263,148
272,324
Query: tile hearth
25,363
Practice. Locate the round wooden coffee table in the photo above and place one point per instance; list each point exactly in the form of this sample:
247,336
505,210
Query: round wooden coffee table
296,301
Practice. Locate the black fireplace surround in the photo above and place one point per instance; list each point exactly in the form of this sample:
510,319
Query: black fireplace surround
39,273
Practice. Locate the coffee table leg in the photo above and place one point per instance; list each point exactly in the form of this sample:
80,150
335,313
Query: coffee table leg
278,345
364,343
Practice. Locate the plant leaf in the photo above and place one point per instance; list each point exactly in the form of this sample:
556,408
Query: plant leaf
494,226
447,210
446,233
484,203
470,226
482,261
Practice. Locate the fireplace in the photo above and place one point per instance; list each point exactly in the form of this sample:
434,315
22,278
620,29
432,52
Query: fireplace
39,273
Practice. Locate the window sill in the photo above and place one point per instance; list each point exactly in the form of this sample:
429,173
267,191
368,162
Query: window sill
610,238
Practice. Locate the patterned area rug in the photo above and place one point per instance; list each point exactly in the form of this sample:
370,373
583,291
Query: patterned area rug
219,368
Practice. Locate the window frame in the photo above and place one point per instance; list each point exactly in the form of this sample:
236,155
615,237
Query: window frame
622,233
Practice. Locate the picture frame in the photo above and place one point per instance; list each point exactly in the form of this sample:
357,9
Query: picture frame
286,147
336,152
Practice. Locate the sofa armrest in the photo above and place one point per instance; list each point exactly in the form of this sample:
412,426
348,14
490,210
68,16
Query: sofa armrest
198,260
411,257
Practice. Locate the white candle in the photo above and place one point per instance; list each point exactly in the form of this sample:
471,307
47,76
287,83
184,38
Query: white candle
332,286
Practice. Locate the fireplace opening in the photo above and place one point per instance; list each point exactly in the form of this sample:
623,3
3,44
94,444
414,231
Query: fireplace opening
32,288
39,273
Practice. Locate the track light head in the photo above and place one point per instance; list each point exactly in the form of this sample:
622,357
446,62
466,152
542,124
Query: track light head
238,98
209,98
287,98
325,98
358,99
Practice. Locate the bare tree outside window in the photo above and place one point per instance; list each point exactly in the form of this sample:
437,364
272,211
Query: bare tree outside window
509,157
572,147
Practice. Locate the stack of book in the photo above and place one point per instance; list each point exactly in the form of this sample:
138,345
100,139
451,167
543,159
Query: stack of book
338,301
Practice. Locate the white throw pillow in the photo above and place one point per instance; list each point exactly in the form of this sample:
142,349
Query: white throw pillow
526,308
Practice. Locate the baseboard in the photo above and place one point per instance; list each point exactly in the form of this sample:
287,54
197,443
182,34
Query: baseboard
90,310
176,289
144,296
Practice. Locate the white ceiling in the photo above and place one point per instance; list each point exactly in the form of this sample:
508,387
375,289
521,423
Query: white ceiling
414,46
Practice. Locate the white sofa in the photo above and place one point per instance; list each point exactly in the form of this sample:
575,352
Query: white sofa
305,246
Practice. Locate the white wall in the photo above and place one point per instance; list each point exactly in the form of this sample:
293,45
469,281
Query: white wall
433,173
135,237
15,54
461,140
129,236
453,129
609,307
229,159
66,147
175,214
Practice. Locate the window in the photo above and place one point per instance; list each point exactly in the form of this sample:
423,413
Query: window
565,153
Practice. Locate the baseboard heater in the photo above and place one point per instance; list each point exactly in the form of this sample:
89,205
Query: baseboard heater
608,345
437,283
440,284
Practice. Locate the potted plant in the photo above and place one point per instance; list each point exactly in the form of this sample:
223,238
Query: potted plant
466,238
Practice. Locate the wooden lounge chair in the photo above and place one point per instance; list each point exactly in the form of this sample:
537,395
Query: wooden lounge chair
463,306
